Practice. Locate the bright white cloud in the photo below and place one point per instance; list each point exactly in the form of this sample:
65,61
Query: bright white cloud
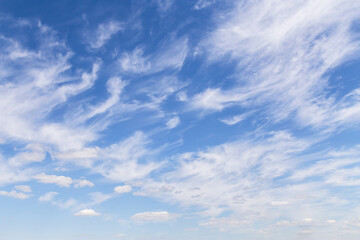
216,100
79,183
87,213
173,122
290,46
226,176
61,181
123,189
235,119
135,62
14,194
42,83
282,53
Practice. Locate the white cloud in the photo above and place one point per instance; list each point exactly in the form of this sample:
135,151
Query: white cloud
32,153
126,160
158,90
123,189
104,33
87,213
84,156
170,55
235,119
84,153
14,194
173,122
114,87
153,216
61,181
11,174
135,62
41,82
82,183
215,99
240,177
290,46
121,160
23,188
200,4
48,197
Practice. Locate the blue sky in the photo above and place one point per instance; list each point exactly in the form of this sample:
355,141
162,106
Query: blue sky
166,120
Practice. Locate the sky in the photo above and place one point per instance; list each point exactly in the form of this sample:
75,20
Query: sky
169,120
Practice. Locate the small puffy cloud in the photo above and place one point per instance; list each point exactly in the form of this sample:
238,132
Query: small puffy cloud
82,183
61,181
47,197
153,216
23,188
123,189
87,213
120,235
14,194
173,122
